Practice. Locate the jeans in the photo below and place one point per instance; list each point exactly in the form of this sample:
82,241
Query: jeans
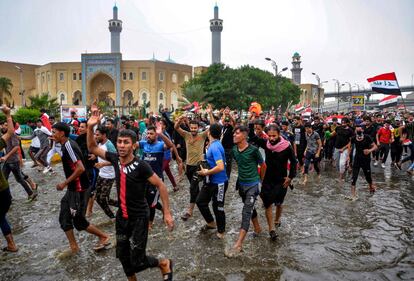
308,158
5,202
17,172
194,184
248,195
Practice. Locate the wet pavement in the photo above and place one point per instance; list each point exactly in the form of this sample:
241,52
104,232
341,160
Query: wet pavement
323,236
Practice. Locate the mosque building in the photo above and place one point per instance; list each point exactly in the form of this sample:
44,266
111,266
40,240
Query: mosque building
103,77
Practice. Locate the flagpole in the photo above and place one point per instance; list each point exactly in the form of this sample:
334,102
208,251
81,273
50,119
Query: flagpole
405,107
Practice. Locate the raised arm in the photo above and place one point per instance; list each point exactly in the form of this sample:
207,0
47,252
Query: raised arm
177,126
10,127
90,140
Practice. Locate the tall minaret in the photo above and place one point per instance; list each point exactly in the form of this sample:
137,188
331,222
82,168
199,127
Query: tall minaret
216,27
115,27
296,70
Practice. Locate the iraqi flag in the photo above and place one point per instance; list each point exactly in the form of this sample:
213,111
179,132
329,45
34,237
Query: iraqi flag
388,101
386,84
299,108
307,112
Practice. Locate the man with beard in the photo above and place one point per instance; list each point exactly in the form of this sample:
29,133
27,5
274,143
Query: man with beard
342,146
276,178
364,146
227,142
194,141
300,139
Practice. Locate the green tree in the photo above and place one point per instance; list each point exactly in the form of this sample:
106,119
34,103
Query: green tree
24,114
44,101
5,90
238,88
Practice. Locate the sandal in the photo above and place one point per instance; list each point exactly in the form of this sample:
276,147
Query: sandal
207,227
102,245
168,276
185,217
6,249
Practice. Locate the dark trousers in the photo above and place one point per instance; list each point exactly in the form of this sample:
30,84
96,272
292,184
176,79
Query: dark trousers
383,151
396,151
309,156
131,244
229,160
216,193
5,203
17,172
72,211
365,165
194,184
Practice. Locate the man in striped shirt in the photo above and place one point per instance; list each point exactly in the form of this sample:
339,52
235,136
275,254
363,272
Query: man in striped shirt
73,203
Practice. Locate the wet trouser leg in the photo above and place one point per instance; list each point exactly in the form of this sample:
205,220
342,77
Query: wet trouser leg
229,161
131,244
103,191
5,202
72,211
309,156
365,165
217,193
194,184
16,170
167,170
384,150
248,195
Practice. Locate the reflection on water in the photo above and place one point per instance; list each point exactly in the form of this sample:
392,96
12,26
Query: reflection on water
323,237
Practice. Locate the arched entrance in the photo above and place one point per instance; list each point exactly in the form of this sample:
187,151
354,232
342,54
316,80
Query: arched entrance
102,89
161,100
127,98
77,98
174,100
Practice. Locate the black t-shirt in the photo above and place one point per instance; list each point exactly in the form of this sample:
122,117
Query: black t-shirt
71,154
113,136
343,136
365,143
81,141
300,137
319,129
227,137
131,182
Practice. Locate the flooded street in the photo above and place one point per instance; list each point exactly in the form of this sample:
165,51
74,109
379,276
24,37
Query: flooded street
323,236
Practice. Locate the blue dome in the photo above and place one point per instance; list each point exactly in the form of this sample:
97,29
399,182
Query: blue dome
296,54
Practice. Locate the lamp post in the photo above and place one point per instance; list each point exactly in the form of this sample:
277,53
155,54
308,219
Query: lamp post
350,93
338,86
274,65
21,93
319,89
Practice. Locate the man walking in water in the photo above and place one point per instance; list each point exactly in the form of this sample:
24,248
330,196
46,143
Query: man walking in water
132,218
248,158
73,203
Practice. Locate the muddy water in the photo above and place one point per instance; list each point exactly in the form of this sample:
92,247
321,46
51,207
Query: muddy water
322,237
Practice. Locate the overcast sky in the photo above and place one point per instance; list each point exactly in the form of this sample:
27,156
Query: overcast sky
349,40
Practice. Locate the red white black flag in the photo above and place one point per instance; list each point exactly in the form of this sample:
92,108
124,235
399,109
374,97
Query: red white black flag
386,84
388,101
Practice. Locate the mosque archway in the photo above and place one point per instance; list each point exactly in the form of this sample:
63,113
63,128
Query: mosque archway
102,89
77,98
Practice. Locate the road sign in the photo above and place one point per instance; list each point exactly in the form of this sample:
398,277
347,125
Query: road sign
358,102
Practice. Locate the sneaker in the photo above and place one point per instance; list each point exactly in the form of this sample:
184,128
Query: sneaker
47,169
383,165
376,163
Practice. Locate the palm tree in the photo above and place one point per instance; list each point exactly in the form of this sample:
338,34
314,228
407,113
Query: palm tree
5,89
193,93
44,101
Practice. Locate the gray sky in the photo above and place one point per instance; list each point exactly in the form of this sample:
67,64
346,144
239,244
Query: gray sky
350,40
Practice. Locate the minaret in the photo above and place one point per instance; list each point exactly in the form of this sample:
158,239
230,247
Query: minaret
115,27
216,27
296,70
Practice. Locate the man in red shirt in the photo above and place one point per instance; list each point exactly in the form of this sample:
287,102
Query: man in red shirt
384,138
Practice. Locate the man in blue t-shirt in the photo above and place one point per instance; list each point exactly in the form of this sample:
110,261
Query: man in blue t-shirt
153,149
216,183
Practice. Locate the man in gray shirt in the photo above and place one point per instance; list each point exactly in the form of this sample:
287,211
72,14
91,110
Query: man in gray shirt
312,151
43,134
12,163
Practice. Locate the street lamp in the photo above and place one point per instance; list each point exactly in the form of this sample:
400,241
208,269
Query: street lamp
319,90
350,91
338,86
274,65
21,83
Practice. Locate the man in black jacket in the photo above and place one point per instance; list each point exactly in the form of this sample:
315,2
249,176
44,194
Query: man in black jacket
276,180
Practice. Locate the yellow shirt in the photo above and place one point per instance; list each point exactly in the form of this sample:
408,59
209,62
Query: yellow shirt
195,147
